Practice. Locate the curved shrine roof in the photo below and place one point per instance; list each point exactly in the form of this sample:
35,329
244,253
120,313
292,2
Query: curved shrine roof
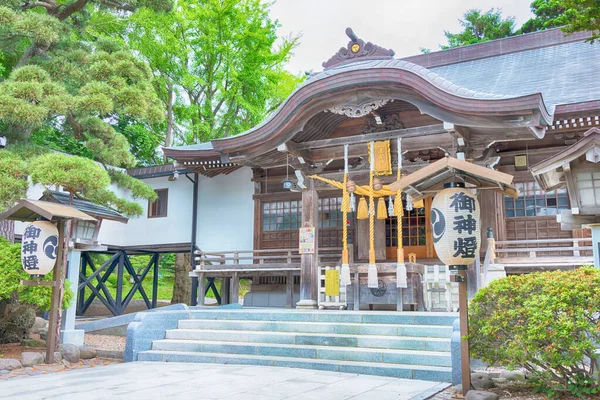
518,82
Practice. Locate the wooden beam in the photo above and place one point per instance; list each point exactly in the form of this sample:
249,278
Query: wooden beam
38,283
304,156
571,189
413,143
368,137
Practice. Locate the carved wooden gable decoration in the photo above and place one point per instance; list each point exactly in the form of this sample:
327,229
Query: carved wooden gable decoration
358,50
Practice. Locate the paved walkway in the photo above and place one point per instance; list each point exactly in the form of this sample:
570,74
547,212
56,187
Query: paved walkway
150,380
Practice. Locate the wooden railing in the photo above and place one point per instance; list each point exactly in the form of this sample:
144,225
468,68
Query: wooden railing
521,256
558,249
268,258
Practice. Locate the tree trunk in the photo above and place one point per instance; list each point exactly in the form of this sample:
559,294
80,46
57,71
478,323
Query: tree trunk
182,284
170,118
7,230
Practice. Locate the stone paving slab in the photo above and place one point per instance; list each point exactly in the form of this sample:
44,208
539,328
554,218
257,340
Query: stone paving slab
149,380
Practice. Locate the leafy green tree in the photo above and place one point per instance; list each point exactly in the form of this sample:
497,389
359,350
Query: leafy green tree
86,179
481,27
217,67
583,15
73,90
548,14
13,179
11,274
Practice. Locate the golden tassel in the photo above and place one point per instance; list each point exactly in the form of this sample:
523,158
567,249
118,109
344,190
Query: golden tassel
363,209
398,210
346,202
381,209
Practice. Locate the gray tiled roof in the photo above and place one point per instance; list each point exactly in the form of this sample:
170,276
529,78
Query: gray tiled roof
564,74
87,206
423,72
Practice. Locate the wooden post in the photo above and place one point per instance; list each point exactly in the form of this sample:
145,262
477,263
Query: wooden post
53,323
356,291
309,267
464,331
201,289
234,292
289,290
225,289
155,280
120,272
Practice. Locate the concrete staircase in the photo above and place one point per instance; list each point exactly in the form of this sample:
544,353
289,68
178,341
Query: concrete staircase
404,345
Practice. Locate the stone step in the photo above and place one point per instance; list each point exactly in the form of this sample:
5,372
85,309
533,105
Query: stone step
362,317
421,372
439,331
319,339
393,356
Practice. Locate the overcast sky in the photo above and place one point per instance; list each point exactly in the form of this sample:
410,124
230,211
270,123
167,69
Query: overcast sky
401,25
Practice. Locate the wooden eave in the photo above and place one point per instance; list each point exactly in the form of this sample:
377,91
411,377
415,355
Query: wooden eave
431,178
526,112
99,214
438,98
590,139
30,210
550,173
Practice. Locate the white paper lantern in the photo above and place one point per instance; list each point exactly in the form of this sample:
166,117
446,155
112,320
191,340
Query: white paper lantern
455,225
39,247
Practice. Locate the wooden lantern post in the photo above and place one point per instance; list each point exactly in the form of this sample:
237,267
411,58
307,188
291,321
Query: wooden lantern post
61,215
455,222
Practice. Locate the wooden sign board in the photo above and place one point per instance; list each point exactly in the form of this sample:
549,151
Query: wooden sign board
332,282
382,158
307,240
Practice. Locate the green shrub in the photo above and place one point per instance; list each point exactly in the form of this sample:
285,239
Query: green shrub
11,273
547,323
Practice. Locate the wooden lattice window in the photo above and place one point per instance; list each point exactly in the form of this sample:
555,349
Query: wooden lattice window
330,212
391,232
414,232
282,215
535,202
413,227
588,185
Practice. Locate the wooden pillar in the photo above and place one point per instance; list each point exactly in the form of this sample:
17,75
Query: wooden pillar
201,289
120,272
309,267
289,290
356,288
492,216
464,332
234,291
154,280
225,289
53,322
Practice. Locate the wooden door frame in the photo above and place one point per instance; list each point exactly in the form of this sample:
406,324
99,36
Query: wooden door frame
429,249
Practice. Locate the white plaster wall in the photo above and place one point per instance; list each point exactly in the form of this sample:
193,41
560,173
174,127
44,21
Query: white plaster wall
226,212
34,193
176,227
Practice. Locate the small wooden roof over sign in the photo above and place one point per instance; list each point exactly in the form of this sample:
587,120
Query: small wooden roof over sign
95,210
30,210
426,181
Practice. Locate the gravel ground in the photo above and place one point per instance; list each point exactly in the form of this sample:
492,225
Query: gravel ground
105,342
43,369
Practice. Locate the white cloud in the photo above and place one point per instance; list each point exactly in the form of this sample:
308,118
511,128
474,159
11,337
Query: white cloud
402,25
